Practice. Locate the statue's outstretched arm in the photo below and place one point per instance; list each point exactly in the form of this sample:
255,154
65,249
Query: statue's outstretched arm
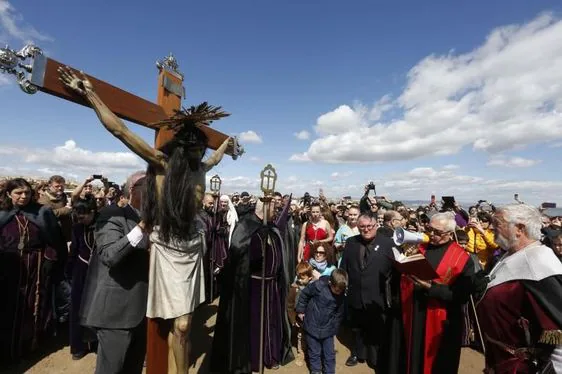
216,157
110,121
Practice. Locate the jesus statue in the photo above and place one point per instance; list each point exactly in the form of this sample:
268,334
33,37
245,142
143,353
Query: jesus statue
175,187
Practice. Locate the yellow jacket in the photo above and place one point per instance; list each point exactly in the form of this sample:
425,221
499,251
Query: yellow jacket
482,245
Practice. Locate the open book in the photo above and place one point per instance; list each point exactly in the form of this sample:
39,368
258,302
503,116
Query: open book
416,265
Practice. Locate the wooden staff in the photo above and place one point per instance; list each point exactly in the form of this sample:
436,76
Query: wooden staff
268,178
37,300
473,306
215,186
213,239
263,241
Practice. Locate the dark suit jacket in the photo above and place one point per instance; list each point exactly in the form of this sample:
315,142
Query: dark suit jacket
116,288
367,285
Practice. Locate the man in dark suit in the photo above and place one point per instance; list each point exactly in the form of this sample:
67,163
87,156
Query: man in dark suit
115,294
366,260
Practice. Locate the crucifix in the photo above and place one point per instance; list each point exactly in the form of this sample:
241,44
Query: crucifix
180,137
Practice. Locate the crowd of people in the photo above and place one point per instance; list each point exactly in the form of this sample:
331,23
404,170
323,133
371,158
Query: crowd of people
289,274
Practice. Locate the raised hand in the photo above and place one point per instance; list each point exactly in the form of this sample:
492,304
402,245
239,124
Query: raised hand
79,85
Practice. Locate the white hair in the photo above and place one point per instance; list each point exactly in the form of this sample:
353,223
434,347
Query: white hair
447,219
131,180
523,214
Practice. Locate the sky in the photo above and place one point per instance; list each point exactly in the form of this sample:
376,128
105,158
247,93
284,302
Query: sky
435,97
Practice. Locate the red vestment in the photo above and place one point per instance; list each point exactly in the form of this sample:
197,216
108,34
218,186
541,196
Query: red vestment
449,269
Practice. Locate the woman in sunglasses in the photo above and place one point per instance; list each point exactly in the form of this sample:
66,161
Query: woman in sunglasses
323,260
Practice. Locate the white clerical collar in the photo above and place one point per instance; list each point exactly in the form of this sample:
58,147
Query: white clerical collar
534,262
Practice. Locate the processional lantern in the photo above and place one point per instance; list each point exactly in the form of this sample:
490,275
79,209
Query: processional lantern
215,183
268,178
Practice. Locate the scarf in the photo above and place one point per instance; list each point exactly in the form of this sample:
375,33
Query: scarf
319,266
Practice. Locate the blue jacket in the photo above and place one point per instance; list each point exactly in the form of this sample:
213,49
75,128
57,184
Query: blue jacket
323,310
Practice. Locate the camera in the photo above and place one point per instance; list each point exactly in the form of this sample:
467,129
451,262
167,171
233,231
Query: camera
306,199
97,176
371,186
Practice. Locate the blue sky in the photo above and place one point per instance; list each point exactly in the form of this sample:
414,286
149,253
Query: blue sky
441,97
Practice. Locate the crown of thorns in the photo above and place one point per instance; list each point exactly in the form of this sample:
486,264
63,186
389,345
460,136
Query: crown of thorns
186,122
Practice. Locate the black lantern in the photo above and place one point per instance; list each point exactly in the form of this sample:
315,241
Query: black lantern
215,184
268,178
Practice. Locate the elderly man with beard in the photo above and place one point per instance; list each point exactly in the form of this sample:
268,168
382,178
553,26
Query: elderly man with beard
521,310
205,219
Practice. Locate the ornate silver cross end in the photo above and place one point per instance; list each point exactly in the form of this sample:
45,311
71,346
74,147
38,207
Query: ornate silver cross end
14,63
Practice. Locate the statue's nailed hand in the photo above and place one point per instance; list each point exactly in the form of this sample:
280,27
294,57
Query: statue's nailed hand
79,85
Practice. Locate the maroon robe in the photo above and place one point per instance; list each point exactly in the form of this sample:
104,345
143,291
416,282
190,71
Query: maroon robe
25,276
522,310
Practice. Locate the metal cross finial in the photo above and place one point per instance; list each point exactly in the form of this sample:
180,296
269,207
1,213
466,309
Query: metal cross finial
10,64
268,178
170,63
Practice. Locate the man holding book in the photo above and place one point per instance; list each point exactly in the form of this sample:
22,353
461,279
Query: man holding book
432,309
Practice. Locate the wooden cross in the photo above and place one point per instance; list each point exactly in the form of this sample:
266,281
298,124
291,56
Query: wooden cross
42,75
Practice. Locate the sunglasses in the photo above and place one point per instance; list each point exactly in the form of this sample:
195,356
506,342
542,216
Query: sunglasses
432,230
321,253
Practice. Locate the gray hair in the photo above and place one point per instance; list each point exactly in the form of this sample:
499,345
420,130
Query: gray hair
365,217
523,214
447,219
131,180
389,215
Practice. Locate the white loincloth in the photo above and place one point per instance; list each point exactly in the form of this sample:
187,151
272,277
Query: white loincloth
176,282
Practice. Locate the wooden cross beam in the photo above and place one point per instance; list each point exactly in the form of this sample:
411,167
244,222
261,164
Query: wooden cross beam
42,75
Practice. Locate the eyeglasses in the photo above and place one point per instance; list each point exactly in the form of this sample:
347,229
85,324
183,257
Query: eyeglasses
321,253
366,227
434,231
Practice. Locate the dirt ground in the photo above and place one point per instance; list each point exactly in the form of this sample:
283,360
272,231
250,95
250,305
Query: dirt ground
57,360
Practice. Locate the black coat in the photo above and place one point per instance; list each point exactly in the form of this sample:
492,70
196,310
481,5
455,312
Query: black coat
367,279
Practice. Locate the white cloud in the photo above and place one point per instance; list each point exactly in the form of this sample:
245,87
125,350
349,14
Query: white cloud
425,181
72,161
255,159
302,135
299,157
13,26
513,162
340,120
292,179
504,94
415,184
250,137
337,175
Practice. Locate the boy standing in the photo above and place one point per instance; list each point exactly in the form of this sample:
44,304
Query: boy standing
320,306
304,276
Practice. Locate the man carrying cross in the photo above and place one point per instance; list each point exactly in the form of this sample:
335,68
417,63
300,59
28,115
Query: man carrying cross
175,186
